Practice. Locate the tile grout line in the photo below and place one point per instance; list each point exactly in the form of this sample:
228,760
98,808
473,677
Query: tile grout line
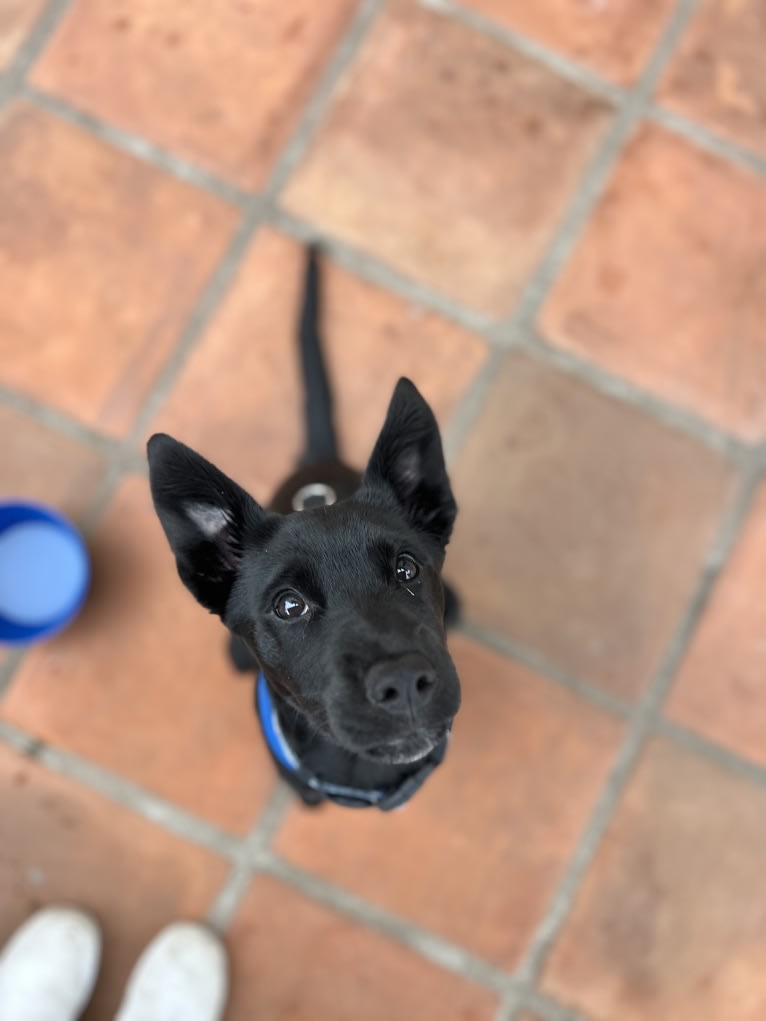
117,471
192,172
696,132
208,302
251,855
469,408
707,139
9,666
320,101
638,735
709,749
663,411
370,269
58,421
516,1007
511,1006
527,657
559,63
378,272
520,324
427,945
12,78
255,211
596,176
550,1009
257,842
598,85
123,792
563,66
137,146
595,376
252,205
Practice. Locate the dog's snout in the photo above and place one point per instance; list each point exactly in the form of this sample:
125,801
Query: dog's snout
401,685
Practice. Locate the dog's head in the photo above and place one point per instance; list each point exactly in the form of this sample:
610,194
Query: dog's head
343,605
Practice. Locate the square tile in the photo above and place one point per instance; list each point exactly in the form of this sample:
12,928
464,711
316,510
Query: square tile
62,843
666,287
17,18
615,39
584,524
141,684
38,463
479,849
222,83
240,400
293,958
494,145
720,689
719,75
101,260
669,922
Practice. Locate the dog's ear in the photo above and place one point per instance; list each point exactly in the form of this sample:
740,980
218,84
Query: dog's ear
206,518
408,462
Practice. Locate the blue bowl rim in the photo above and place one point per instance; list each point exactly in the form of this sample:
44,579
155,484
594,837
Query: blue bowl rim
28,510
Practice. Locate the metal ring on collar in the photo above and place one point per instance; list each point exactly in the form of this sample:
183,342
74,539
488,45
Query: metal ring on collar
315,494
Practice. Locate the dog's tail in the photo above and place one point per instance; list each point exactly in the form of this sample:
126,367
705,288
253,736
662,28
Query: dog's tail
320,442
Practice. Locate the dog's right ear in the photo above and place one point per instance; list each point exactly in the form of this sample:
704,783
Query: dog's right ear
408,462
206,518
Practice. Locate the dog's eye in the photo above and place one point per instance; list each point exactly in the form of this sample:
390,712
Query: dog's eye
289,605
406,568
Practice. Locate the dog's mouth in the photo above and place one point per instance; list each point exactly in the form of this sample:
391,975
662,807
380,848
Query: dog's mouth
408,748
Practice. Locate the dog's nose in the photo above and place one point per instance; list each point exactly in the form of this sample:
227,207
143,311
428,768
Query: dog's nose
401,685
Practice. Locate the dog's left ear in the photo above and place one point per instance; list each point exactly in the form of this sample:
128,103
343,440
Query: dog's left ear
408,462
205,516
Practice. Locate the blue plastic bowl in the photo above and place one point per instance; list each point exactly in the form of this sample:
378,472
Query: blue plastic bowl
44,572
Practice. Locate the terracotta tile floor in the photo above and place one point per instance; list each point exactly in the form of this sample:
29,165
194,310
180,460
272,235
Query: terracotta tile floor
584,308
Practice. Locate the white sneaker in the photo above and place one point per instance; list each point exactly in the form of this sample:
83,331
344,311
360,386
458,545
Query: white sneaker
181,976
49,966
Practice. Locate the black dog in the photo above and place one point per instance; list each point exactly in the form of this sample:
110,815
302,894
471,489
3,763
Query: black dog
340,606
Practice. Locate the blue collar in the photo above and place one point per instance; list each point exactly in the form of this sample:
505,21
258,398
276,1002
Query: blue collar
349,796
275,739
